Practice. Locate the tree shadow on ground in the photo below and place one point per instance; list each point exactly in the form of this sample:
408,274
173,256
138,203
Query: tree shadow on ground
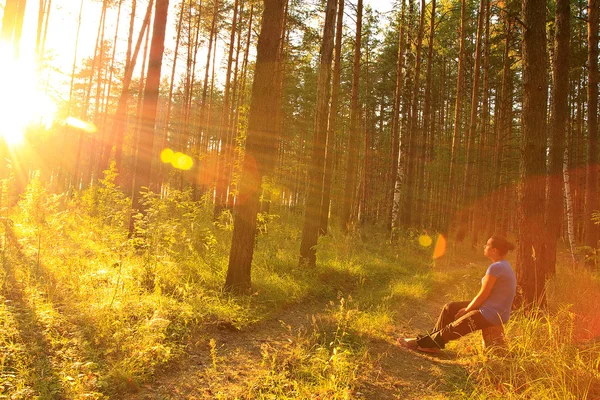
47,344
44,380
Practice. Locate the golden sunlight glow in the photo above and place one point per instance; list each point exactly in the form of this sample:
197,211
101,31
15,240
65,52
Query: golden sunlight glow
22,104
440,247
177,160
79,124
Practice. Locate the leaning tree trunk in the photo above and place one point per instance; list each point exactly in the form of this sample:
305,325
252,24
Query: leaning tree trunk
558,123
532,266
260,146
350,181
144,158
310,230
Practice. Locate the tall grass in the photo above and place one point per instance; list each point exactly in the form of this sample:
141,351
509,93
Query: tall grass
87,312
550,354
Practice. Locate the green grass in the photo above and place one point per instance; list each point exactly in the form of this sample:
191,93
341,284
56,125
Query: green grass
86,312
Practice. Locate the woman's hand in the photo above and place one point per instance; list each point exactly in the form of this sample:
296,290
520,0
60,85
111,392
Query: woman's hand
460,313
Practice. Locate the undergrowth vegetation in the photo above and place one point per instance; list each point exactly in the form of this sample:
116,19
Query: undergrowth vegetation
88,312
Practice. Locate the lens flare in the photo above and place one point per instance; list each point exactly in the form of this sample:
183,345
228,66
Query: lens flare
182,161
166,156
425,240
177,160
440,247
87,127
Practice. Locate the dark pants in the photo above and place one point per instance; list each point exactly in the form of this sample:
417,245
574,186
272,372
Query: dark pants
449,328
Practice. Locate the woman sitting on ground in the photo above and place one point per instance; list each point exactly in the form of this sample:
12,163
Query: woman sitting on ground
491,306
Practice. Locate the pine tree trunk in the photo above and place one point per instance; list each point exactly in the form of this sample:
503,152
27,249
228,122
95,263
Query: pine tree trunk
532,261
396,179
428,131
414,133
569,206
469,177
260,145
333,115
558,123
310,230
144,159
119,122
199,187
165,133
224,130
484,165
591,198
350,181
457,112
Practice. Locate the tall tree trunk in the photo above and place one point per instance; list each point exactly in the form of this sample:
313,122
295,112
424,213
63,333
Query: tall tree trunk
350,181
469,177
396,178
224,130
119,122
591,198
457,111
414,140
310,229
428,131
559,118
260,145
165,133
279,81
483,179
331,131
532,261
503,128
569,206
199,188
144,158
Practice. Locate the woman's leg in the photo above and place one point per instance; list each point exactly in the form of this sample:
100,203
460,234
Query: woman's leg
448,314
446,318
470,322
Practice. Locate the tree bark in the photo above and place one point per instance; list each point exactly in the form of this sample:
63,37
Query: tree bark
310,230
532,264
224,130
396,179
350,181
333,114
469,177
457,111
260,145
144,158
559,118
591,198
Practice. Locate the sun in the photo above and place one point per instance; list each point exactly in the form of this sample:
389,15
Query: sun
22,104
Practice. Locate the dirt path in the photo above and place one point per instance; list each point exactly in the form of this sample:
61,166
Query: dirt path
236,360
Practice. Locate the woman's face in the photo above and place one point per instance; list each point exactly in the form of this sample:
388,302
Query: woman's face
488,250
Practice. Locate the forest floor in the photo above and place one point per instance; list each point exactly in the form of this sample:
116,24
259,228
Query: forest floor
88,313
237,363
394,373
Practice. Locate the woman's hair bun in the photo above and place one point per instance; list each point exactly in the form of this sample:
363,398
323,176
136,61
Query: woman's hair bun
503,245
